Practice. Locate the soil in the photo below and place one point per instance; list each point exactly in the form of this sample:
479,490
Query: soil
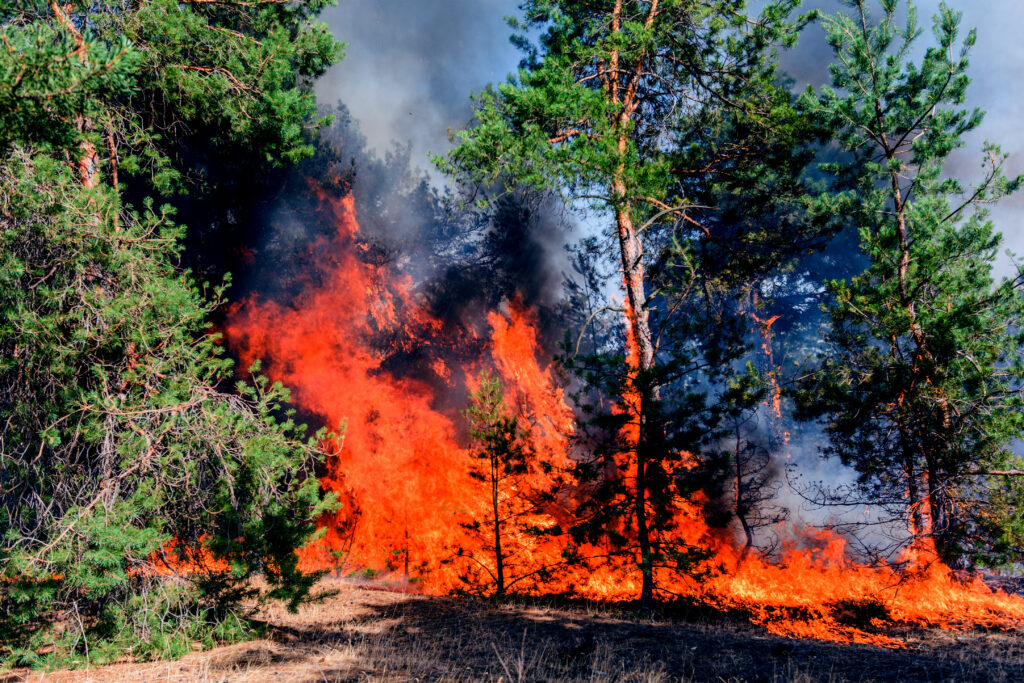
360,634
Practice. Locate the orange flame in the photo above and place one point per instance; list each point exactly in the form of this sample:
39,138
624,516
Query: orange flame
402,472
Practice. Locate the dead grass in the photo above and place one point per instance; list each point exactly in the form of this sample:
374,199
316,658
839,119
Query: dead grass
373,635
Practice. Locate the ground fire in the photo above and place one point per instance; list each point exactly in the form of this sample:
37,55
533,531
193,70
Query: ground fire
400,467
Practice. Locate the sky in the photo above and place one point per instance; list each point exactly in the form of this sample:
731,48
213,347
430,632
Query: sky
412,64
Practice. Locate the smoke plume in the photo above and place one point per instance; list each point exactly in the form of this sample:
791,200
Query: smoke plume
411,66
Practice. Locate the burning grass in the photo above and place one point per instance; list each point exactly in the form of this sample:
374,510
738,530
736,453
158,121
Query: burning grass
360,634
822,594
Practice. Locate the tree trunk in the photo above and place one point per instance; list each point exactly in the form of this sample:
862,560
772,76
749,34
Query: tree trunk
88,164
641,361
938,518
405,567
499,559
922,498
917,520
741,494
642,532
639,337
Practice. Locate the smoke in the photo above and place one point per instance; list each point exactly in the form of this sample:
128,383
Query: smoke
411,65
407,79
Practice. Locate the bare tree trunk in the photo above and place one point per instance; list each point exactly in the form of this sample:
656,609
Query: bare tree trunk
741,492
918,522
923,499
641,359
405,567
936,512
499,559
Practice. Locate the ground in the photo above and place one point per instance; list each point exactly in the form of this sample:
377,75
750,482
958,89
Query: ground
370,634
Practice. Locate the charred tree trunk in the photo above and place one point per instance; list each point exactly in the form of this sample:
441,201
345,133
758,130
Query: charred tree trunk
741,495
642,531
937,517
499,559
405,565
918,521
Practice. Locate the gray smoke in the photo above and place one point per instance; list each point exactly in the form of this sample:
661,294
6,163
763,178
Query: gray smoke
411,65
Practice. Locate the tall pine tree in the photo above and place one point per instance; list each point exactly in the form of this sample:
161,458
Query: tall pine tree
920,383
609,109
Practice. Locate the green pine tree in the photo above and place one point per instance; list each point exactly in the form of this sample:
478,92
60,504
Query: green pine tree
920,381
608,111
138,495
505,462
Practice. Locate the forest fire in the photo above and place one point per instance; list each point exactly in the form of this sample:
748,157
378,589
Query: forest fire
401,468
696,313
398,465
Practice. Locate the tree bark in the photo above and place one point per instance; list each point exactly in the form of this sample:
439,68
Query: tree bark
631,251
741,493
88,163
923,499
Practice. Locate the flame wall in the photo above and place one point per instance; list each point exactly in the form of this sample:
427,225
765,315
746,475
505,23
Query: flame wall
401,467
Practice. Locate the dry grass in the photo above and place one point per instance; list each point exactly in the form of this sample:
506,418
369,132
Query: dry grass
375,635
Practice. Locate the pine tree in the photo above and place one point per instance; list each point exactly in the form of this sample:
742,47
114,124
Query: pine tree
505,462
601,112
138,494
920,383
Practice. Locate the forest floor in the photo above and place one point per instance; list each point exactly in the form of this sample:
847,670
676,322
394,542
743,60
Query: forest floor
360,634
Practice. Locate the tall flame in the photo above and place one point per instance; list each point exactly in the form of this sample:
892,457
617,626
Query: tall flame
397,465
401,467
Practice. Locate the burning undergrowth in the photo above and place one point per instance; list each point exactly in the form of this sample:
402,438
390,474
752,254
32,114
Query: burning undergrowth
367,352
392,361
